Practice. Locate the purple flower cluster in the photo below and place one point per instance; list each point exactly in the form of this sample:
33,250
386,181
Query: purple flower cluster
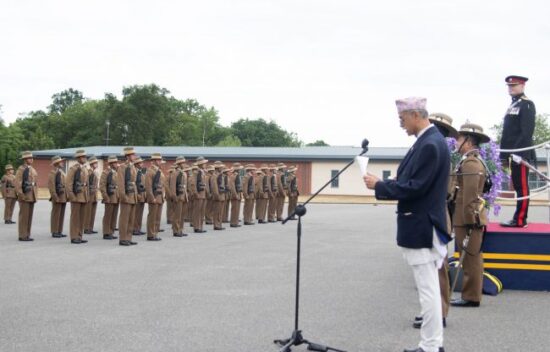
489,153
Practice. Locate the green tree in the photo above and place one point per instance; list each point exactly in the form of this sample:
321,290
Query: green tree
63,100
540,135
317,143
260,133
230,141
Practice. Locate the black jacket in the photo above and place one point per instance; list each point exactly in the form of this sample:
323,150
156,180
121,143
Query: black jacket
518,128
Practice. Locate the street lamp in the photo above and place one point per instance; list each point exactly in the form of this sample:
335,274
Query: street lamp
108,123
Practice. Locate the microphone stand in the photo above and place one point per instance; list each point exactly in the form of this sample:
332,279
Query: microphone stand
297,338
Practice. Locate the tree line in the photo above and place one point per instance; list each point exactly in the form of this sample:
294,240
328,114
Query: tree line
145,115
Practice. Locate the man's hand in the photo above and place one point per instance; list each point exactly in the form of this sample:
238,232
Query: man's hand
370,180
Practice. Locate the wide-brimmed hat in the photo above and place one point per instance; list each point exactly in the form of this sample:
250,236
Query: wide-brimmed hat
201,160
293,168
259,172
250,167
264,167
138,160
281,166
156,156
9,167
56,159
180,160
92,160
474,130
272,167
79,153
26,155
228,169
186,167
194,167
237,166
129,151
444,122
112,159
210,168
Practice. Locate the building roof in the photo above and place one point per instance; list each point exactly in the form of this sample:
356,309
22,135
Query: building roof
234,153
247,153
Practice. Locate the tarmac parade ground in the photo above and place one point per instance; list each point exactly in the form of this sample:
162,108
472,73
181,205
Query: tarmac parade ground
233,290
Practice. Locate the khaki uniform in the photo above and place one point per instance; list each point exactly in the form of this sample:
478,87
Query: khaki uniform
249,195
58,197
227,202
189,207
108,189
235,193
178,192
469,212
217,186
77,194
199,199
263,191
9,195
282,189
154,190
27,194
91,206
272,205
292,193
127,193
141,198
168,197
209,203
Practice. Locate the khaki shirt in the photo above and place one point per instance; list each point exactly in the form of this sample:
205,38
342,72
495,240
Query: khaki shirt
127,193
58,192
178,190
72,184
470,178
32,193
105,187
93,186
249,187
154,193
8,186
292,185
217,182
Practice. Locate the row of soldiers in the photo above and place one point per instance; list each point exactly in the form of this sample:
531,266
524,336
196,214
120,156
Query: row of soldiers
199,193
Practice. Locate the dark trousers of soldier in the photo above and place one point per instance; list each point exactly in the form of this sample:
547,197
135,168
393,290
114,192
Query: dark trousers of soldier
77,220
444,287
8,209
217,213
208,212
109,218
272,209
90,211
138,218
248,210
225,213
57,217
188,211
126,221
199,207
168,211
24,225
235,211
177,217
520,180
153,219
280,207
472,266
292,202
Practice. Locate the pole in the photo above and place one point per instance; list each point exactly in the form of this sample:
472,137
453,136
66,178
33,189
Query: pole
547,147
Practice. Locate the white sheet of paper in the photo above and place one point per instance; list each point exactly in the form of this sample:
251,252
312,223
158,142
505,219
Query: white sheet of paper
362,161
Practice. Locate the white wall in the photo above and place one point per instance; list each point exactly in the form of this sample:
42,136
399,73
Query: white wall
350,182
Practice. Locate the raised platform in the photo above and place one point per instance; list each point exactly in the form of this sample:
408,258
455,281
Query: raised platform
520,258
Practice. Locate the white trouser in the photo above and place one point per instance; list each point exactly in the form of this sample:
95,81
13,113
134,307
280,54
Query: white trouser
427,283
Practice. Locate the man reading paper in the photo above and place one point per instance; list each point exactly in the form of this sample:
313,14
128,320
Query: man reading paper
420,189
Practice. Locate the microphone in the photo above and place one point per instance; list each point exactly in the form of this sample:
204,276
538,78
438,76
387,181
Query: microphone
365,146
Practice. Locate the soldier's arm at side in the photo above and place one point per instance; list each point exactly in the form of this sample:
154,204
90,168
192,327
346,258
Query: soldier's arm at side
149,191
527,126
69,184
51,186
470,182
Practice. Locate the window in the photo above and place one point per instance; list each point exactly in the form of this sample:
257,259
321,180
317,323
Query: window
386,174
334,183
535,181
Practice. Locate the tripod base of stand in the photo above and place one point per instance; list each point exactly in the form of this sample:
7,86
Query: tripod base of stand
297,339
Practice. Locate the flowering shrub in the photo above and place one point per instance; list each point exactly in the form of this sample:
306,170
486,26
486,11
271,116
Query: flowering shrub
489,153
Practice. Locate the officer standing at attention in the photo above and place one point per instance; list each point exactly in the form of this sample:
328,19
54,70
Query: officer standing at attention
91,206
517,132
217,185
127,193
208,213
273,191
108,190
27,194
249,194
199,195
58,196
236,191
9,195
154,190
292,191
282,189
178,192
77,192
470,215
141,197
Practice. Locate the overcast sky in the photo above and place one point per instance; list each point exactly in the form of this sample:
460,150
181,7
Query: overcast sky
327,70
